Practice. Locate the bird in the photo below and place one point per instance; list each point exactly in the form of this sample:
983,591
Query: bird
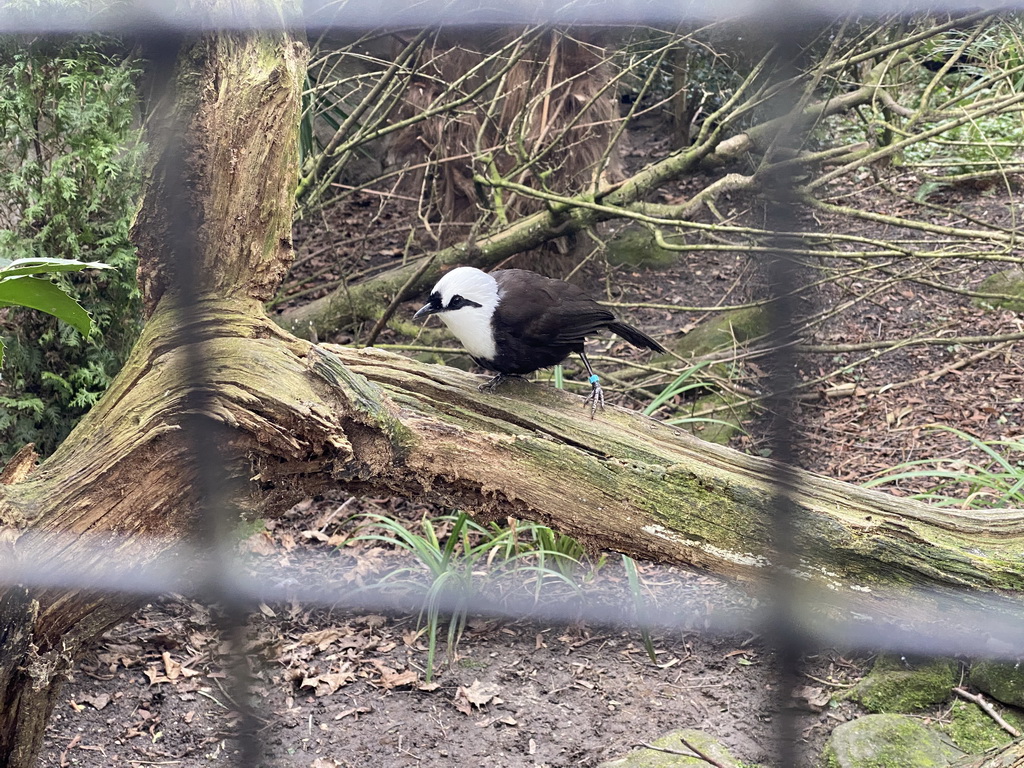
515,322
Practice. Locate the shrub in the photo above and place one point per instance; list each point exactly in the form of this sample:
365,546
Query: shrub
69,182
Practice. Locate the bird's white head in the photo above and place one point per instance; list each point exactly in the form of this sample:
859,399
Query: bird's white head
465,299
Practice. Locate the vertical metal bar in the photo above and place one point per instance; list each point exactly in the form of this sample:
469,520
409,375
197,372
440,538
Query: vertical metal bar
782,276
216,512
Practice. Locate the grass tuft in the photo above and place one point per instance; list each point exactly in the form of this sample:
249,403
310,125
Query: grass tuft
994,482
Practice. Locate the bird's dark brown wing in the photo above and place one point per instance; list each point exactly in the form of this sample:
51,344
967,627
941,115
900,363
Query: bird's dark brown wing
556,312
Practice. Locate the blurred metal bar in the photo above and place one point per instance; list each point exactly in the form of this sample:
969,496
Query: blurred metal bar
146,17
904,620
216,513
786,634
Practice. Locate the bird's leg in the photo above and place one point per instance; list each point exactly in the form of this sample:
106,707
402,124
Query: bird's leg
596,396
490,384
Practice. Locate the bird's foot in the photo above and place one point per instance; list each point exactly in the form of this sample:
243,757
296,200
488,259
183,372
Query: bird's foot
489,385
596,396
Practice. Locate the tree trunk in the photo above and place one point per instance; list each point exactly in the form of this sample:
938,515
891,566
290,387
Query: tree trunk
297,419
231,115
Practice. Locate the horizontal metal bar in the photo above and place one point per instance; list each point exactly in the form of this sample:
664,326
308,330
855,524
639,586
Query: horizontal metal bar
927,622
153,17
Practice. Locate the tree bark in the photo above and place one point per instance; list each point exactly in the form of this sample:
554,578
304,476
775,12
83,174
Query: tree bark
297,419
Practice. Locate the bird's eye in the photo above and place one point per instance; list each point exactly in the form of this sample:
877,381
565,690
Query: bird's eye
456,302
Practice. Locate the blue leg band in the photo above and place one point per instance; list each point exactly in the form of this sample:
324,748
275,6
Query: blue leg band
594,378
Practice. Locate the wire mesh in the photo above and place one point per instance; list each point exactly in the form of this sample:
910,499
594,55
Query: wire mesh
797,620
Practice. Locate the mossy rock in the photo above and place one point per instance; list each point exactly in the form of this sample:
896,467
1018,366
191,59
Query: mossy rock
887,741
652,758
1003,680
724,331
974,731
1009,282
893,687
636,247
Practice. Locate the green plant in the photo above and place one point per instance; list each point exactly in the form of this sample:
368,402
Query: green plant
563,552
683,383
69,182
636,592
686,382
962,68
450,576
980,145
463,558
993,483
20,286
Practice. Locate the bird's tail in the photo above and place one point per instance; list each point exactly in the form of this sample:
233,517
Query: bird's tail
634,336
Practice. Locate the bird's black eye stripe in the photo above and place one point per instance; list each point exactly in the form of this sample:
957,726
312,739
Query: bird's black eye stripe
458,302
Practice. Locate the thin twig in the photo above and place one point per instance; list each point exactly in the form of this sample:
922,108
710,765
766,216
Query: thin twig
398,299
988,709
830,683
694,752
702,755
893,344
667,750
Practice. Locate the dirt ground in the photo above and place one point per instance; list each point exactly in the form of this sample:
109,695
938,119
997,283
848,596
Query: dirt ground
338,688
350,689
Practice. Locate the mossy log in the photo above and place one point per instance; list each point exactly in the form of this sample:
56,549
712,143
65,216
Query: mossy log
300,418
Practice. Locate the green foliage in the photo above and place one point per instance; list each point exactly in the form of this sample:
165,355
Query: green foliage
19,287
69,182
968,67
684,382
978,146
995,481
950,78
556,551
462,558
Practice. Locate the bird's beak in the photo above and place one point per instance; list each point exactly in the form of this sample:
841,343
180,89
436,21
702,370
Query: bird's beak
426,309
